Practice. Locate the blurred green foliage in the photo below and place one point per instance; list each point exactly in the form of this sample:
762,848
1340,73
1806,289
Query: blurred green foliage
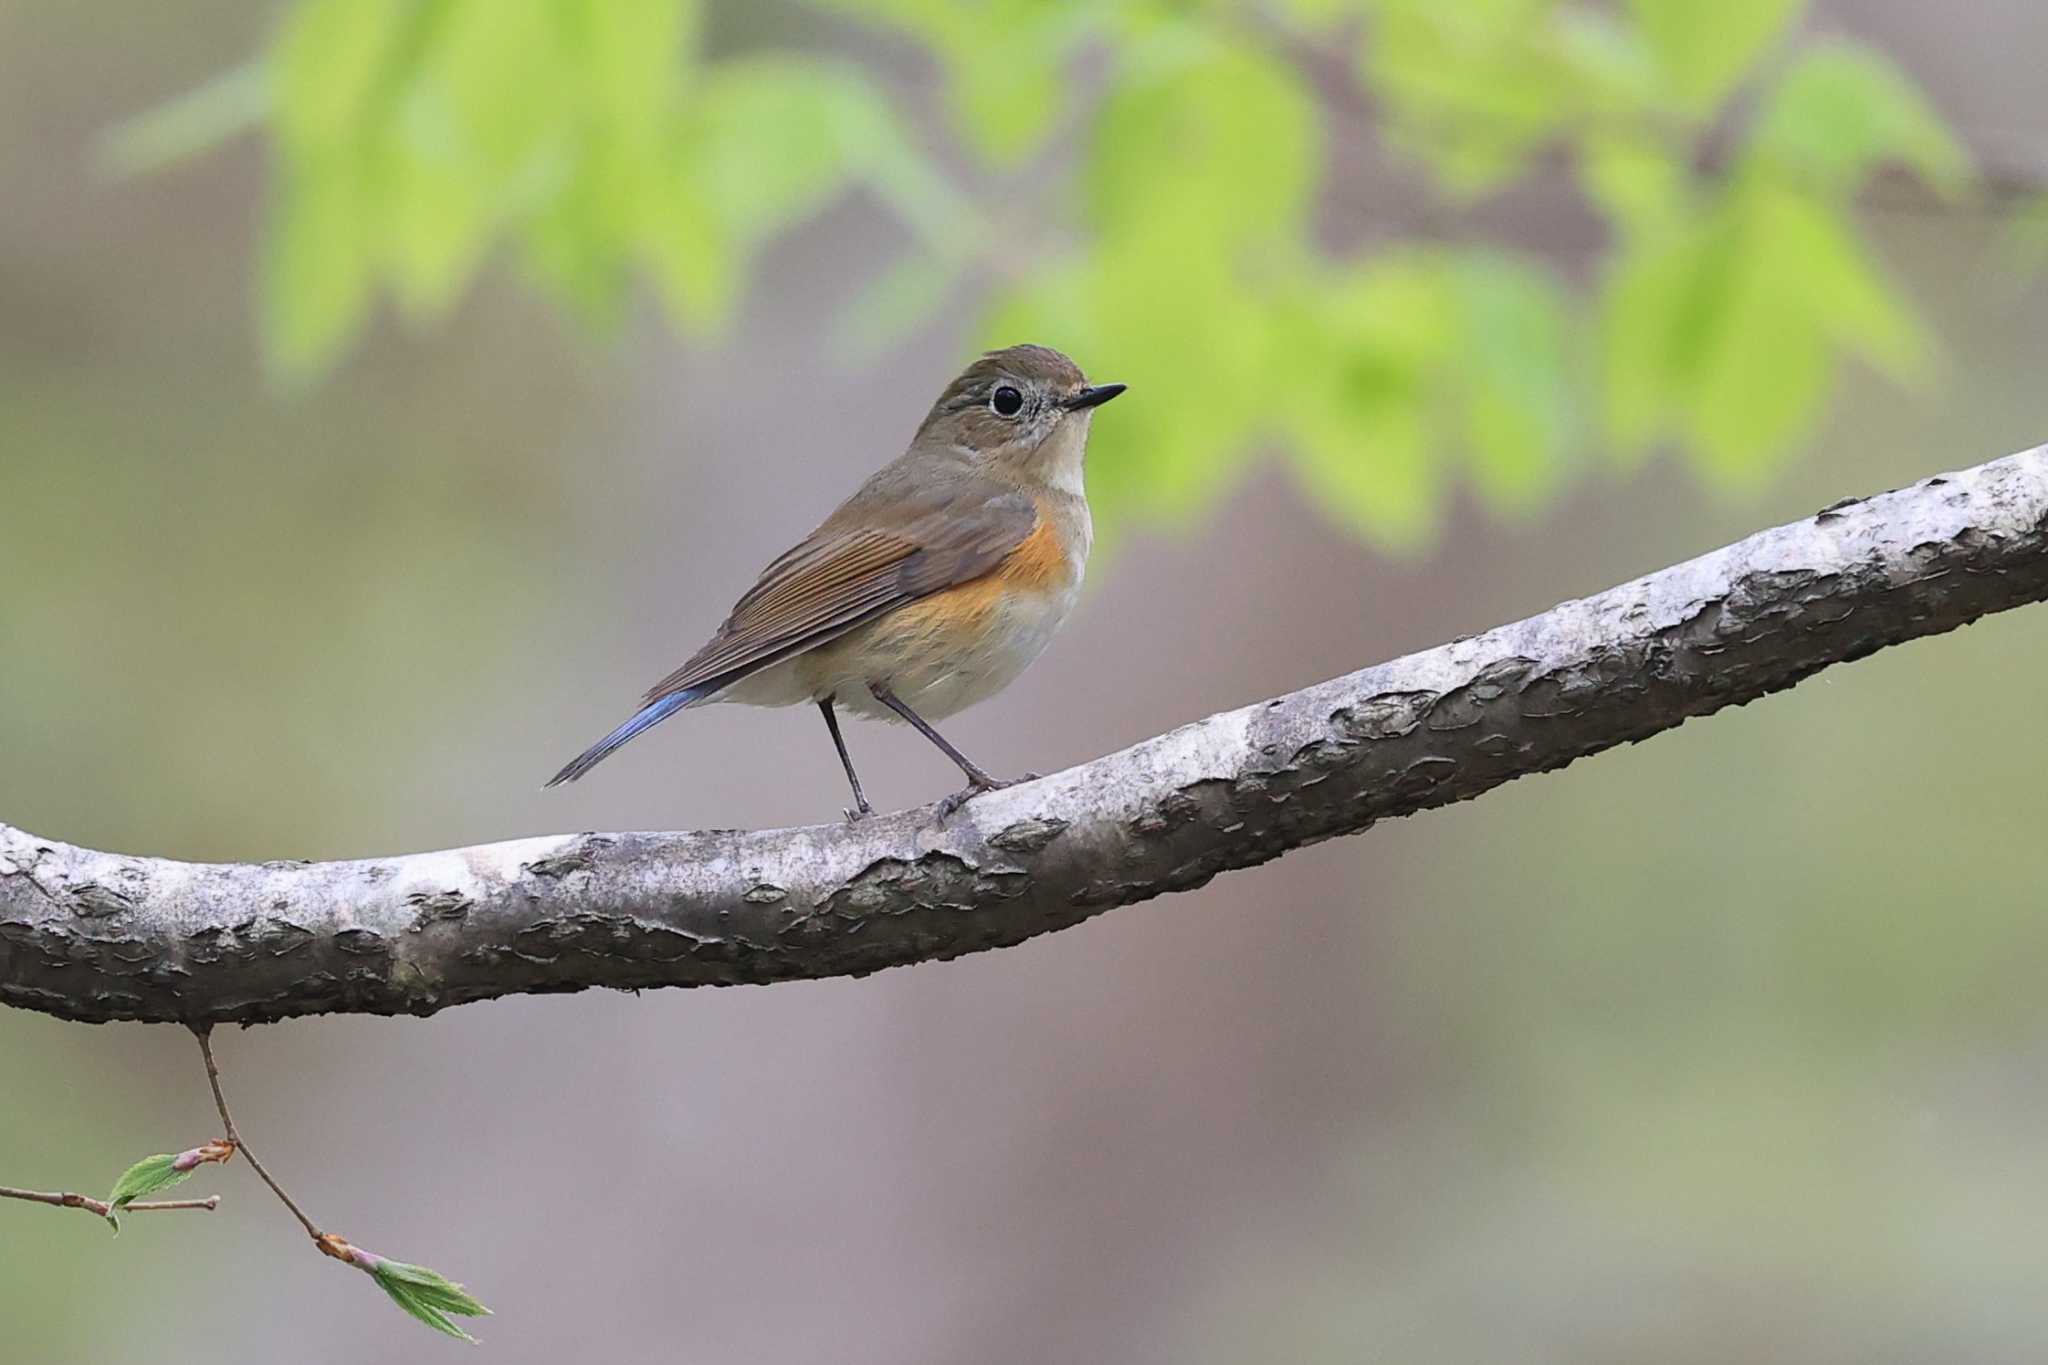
1158,211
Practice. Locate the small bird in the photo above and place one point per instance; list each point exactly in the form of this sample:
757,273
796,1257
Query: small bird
928,590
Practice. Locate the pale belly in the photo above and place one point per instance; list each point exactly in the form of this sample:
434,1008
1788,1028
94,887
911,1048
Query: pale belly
940,655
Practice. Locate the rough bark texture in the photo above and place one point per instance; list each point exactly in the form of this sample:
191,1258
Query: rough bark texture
97,936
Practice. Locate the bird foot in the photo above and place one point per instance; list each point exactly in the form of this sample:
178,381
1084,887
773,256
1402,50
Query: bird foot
949,805
855,814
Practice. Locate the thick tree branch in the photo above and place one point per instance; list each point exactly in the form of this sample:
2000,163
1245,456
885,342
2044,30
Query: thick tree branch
96,936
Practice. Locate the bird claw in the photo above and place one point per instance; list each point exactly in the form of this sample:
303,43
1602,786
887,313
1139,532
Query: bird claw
948,806
855,814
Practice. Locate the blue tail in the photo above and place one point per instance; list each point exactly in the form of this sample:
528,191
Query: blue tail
646,718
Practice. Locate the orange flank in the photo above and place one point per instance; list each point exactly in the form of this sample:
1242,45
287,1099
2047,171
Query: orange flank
1040,562
948,616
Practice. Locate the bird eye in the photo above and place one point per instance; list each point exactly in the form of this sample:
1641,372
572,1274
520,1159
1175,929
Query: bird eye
1006,401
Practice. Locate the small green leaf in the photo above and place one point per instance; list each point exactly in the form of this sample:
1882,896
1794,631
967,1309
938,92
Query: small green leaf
426,1294
1609,60
436,216
1364,389
1638,181
634,54
147,1176
1368,463
162,1171
1754,353
1517,410
1844,110
1761,388
689,252
512,105
1226,149
1002,61
1726,330
1647,291
772,135
570,249
1007,94
1316,14
330,59
316,267
1474,87
1706,46
1849,297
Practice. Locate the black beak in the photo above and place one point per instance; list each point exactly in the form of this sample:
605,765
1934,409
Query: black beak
1093,397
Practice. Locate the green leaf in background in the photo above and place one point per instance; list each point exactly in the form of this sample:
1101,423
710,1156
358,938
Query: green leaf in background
1364,455
329,58
691,256
572,249
1376,343
510,94
1646,290
1844,110
1006,91
1315,14
1853,303
1726,331
1003,62
1637,181
1705,47
1186,248
778,137
1213,152
437,200
317,263
1751,347
1512,316
632,62
1609,66
1474,87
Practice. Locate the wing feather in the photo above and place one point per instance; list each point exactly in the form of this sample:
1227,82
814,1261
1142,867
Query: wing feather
849,571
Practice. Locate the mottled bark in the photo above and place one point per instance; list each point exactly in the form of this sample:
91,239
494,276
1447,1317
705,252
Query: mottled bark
97,936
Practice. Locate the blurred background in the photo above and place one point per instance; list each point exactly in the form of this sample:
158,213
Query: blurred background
388,392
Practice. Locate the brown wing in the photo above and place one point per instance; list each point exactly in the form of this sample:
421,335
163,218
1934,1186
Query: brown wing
851,570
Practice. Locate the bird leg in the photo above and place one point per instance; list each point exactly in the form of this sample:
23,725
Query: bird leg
978,781
861,809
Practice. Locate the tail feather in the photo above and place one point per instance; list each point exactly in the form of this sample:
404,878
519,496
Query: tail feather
646,718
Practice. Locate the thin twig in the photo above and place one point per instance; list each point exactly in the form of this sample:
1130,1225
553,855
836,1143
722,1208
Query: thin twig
220,1102
99,1206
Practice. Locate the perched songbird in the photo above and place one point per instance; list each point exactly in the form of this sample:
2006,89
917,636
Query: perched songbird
929,589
